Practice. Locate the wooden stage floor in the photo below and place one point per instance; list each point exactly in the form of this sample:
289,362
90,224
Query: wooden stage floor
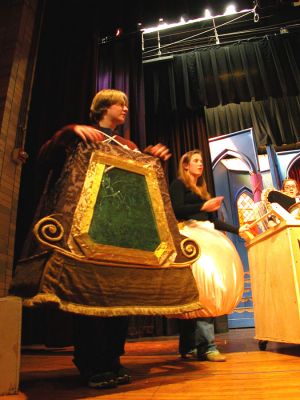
159,374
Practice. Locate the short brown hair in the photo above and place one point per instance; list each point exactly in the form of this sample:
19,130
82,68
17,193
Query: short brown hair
103,100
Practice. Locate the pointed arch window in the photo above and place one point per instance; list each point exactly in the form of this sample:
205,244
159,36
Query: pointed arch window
245,207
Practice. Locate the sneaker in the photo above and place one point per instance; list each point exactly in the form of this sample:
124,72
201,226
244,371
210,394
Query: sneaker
214,356
103,380
189,355
123,376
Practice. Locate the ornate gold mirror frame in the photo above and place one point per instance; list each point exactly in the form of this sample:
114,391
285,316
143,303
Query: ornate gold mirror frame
100,165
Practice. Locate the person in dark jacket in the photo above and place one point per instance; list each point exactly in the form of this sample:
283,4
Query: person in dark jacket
191,201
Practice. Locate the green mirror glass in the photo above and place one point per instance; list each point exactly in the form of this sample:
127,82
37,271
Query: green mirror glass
123,214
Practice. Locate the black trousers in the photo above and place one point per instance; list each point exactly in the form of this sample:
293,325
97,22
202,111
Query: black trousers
99,343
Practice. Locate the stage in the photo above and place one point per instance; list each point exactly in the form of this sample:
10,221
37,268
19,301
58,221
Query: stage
159,374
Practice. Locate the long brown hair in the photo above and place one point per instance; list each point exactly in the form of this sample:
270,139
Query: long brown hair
183,174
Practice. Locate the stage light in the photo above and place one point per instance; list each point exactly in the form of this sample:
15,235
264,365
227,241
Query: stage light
230,9
283,30
162,24
207,13
119,32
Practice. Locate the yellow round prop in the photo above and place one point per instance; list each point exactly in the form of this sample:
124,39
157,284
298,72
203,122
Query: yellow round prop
218,272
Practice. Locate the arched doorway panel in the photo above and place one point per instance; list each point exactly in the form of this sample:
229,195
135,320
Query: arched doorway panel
234,158
293,169
289,164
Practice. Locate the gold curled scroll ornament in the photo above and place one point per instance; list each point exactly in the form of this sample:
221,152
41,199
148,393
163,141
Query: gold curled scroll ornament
190,249
48,231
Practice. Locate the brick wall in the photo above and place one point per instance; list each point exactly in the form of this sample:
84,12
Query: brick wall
17,19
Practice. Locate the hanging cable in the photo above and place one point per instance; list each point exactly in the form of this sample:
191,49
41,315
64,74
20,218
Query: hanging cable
216,32
255,14
158,44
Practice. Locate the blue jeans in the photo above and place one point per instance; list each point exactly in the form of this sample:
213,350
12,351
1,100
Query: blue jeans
196,334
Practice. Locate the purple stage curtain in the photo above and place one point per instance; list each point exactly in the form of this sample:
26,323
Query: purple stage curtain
119,66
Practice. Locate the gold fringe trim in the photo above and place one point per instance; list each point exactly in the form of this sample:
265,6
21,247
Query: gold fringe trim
41,299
